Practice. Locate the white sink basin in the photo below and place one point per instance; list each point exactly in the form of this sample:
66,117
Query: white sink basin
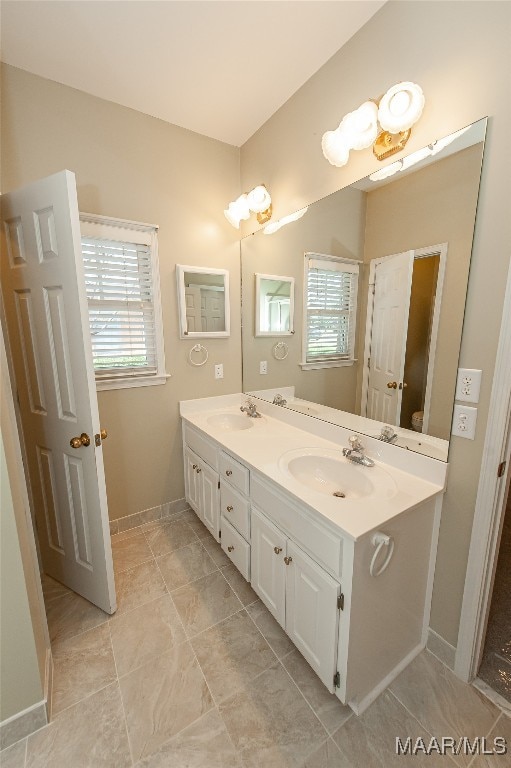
230,422
328,472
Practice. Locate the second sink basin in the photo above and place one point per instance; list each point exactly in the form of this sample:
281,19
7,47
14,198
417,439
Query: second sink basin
230,422
328,472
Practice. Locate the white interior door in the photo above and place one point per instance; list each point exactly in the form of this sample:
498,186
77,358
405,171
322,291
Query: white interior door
391,304
193,309
212,310
46,314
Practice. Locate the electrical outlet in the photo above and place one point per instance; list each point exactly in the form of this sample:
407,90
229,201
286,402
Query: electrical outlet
464,421
468,385
263,366
219,371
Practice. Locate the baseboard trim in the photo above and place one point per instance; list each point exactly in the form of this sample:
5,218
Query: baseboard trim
23,724
441,649
163,511
48,681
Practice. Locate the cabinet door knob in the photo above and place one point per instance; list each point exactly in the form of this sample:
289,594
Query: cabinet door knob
198,470
277,550
230,548
228,472
288,560
194,466
229,508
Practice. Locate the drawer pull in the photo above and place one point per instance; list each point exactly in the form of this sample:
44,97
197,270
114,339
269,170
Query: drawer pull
277,550
230,548
228,472
229,508
288,560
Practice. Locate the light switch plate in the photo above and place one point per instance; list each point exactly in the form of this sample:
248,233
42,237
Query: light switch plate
464,421
468,385
263,366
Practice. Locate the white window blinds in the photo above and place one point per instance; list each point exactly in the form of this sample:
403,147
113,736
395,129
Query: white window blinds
123,314
331,301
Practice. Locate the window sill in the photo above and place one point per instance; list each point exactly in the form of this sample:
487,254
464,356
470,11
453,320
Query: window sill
132,381
326,364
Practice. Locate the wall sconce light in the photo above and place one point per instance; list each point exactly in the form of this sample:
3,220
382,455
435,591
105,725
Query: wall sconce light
406,162
386,124
258,201
276,225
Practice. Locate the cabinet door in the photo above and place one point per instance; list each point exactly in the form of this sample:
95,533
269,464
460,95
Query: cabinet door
312,616
267,565
210,500
192,480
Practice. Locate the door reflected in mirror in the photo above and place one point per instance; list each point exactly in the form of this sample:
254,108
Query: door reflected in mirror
203,302
274,304
412,235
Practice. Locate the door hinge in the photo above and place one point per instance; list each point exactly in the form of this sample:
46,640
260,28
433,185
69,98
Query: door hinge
340,602
337,680
501,469
219,534
219,485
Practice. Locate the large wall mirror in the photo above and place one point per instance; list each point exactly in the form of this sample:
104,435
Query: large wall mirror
389,340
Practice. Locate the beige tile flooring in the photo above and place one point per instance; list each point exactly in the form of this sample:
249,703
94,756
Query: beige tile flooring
193,672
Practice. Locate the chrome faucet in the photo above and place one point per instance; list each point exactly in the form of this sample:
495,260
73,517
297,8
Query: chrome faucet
279,400
355,452
388,435
250,409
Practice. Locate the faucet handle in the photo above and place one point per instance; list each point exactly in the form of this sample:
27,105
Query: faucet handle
355,443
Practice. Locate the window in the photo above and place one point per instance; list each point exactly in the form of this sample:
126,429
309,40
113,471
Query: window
330,308
120,260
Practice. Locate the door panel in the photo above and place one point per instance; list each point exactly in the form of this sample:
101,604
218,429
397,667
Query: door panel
312,617
393,281
192,484
210,498
268,576
46,315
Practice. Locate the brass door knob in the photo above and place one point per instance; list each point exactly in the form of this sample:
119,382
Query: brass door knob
277,550
392,384
403,385
77,442
288,560
229,508
230,548
103,434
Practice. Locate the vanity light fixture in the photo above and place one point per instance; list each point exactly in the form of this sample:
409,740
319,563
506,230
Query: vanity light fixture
276,225
258,201
385,124
431,149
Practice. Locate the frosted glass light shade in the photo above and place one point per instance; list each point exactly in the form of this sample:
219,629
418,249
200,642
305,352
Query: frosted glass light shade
401,107
276,225
237,210
360,128
259,199
335,149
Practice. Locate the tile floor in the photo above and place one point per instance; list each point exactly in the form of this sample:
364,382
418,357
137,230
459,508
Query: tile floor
193,672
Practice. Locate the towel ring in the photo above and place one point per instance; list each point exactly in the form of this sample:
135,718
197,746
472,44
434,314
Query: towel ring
280,350
381,540
198,348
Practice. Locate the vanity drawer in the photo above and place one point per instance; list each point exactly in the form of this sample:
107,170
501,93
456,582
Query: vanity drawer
202,446
235,473
325,546
236,548
235,508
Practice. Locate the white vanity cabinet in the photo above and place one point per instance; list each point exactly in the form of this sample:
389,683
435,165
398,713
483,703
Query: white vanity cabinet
299,593
235,512
202,485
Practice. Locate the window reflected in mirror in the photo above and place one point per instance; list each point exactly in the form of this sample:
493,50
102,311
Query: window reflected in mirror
275,296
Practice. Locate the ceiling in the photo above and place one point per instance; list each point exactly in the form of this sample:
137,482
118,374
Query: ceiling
218,68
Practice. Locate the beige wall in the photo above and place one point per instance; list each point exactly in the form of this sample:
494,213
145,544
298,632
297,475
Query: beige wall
435,205
334,226
132,166
23,632
460,55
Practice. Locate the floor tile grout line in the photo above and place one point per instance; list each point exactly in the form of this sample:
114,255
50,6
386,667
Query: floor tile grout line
121,697
57,640
308,702
26,752
147,560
